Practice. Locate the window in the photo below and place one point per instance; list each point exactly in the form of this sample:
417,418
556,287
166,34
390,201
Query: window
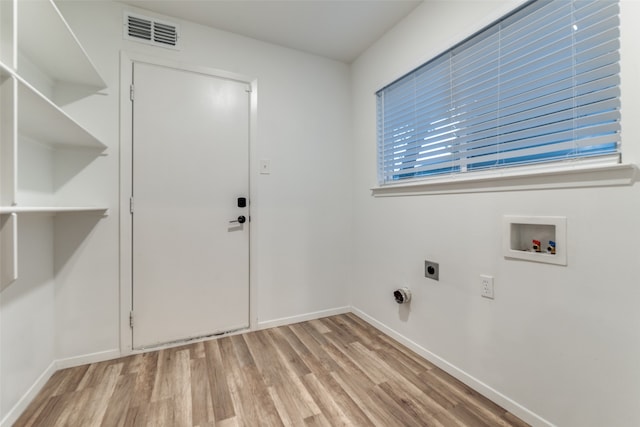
540,85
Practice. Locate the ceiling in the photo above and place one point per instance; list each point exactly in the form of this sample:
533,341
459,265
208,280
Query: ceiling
337,29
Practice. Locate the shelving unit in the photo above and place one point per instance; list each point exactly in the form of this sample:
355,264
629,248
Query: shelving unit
44,60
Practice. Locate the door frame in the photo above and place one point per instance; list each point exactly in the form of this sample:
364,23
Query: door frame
127,59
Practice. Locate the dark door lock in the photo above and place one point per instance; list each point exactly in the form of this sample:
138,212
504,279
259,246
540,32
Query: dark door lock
241,219
242,202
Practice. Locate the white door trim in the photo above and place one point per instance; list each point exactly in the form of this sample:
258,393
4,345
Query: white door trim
126,163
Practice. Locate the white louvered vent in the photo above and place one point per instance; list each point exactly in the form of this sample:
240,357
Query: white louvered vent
150,31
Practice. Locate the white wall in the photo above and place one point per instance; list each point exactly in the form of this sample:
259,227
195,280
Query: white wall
298,227
26,313
561,342
300,233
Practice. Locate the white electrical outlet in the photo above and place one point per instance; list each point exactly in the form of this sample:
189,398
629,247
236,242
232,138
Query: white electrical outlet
486,286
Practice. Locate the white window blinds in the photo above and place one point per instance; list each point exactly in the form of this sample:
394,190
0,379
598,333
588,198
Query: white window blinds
540,85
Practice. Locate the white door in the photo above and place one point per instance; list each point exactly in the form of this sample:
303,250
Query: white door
190,171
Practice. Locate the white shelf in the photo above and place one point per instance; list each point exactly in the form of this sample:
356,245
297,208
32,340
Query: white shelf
5,210
41,26
43,121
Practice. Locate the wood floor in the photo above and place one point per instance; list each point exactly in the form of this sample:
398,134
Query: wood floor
335,371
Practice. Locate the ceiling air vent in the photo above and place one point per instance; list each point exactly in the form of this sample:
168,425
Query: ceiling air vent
150,31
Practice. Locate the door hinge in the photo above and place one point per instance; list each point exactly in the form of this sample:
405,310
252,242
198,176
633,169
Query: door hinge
249,89
131,92
131,205
131,319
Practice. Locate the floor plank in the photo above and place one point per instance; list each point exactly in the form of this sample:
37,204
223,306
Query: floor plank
334,371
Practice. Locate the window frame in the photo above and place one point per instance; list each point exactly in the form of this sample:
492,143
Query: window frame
605,169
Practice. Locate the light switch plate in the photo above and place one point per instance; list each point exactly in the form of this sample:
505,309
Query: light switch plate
265,167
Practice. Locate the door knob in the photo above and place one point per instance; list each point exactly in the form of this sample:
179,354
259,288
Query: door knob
241,219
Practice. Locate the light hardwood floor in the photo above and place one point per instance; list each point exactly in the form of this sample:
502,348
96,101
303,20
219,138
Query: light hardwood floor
335,371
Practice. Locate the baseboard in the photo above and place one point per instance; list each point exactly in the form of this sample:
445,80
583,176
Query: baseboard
482,388
302,317
17,410
85,359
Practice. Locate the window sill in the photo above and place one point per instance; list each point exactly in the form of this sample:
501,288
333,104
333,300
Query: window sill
509,180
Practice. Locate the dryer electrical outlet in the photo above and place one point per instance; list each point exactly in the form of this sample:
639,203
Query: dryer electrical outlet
432,270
